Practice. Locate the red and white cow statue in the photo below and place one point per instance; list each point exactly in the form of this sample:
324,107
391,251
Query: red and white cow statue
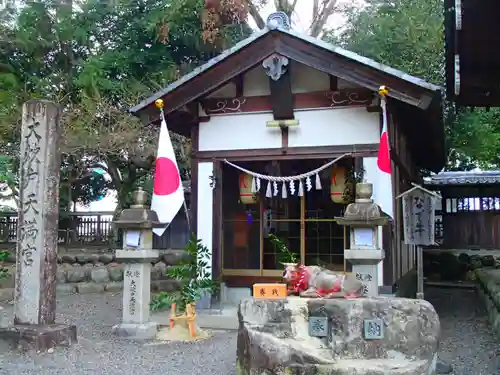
318,282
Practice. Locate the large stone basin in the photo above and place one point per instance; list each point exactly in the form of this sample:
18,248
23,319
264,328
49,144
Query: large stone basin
273,337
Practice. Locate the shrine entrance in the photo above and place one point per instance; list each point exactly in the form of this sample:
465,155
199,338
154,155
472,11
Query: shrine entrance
304,223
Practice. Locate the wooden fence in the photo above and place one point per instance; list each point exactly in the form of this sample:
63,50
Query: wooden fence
470,222
86,229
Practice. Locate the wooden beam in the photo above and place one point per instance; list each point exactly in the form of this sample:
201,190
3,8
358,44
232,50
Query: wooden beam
280,82
321,152
334,83
352,71
217,221
352,97
194,179
238,83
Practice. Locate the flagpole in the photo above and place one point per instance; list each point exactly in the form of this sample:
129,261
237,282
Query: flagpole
186,210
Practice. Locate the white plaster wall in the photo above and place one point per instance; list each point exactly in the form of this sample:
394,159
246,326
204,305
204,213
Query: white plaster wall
205,208
382,195
256,82
327,127
237,132
338,126
306,79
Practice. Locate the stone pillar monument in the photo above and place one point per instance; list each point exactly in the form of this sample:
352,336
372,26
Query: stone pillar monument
137,224
365,252
37,234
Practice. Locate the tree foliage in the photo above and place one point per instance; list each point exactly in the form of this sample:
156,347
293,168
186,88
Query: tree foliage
221,13
409,35
96,59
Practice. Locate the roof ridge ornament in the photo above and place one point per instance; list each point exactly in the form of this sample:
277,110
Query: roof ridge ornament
278,20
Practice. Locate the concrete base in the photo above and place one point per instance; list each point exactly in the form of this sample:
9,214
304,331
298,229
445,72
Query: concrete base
39,337
136,331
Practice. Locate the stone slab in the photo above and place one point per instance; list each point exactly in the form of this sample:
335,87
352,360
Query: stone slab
143,331
39,337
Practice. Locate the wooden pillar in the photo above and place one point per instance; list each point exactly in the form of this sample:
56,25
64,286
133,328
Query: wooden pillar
217,221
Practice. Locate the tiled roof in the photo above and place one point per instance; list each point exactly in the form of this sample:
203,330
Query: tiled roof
464,178
314,41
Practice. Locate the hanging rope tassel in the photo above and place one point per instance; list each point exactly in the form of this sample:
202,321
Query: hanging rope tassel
292,188
308,183
275,188
283,191
257,184
269,192
254,185
318,182
301,189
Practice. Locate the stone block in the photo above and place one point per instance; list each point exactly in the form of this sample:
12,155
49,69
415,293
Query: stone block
39,337
165,285
61,275
68,258
141,331
6,294
99,275
173,257
115,272
114,287
106,258
83,259
274,336
76,275
159,271
89,288
65,289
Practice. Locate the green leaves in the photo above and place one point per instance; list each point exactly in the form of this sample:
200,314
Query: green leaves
283,253
192,275
409,35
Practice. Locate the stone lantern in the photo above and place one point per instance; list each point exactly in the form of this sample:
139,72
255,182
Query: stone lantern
365,251
137,254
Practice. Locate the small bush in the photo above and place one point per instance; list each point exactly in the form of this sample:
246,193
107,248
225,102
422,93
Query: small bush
195,281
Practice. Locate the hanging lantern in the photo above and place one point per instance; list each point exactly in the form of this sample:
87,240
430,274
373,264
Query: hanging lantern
338,185
246,195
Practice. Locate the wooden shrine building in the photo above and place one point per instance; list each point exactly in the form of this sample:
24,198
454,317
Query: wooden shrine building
283,104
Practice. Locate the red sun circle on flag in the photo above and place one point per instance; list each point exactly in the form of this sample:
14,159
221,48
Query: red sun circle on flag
167,179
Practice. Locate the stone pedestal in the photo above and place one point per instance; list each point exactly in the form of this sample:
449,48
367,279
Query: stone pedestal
365,253
365,268
137,254
38,220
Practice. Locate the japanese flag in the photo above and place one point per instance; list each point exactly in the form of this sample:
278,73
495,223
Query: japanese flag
384,154
168,194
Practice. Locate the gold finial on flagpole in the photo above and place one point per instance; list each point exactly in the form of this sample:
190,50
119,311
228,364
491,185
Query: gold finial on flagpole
383,91
159,103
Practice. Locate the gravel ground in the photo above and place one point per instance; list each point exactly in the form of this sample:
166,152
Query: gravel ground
466,339
98,352
466,343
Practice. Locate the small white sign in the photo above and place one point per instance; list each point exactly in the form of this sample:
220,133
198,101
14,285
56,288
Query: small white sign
363,237
132,238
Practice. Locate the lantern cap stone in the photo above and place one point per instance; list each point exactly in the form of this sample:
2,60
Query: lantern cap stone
138,216
363,212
